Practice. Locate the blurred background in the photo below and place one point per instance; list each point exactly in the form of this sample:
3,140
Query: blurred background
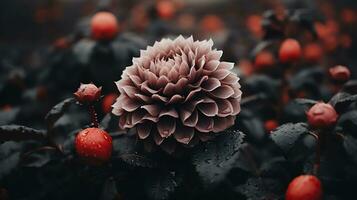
46,46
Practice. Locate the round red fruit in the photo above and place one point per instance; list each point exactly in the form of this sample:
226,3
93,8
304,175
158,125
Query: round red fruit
271,125
94,145
88,93
263,60
108,101
322,115
104,26
165,9
304,187
312,52
340,73
290,51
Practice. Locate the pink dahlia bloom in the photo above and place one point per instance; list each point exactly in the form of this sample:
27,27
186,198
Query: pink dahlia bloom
178,88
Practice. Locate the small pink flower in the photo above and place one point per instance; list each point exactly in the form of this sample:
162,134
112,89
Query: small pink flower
88,93
178,88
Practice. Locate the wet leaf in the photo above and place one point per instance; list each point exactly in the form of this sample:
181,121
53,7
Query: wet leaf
261,188
305,102
342,100
347,123
20,133
286,135
294,140
138,160
214,159
57,111
350,145
9,157
124,144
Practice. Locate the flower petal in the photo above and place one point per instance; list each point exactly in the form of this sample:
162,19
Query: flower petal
223,92
225,108
211,84
192,120
144,129
152,109
184,134
208,109
166,126
205,124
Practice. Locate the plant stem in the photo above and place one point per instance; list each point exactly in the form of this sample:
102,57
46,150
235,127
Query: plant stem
318,155
93,116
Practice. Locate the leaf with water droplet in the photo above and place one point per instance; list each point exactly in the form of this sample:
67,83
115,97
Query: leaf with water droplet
138,160
20,133
261,188
214,159
294,140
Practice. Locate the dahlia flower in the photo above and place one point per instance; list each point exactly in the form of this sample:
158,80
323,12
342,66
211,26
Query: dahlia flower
178,89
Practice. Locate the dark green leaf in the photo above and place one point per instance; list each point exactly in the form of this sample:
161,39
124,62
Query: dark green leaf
9,157
20,133
261,188
138,160
350,144
294,140
214,159
305,102
57,111
287,135
38,157
342,100
161,184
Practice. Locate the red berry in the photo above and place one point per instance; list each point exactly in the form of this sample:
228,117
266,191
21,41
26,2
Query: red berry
271,125
312,52
290,51
61,43
108,101
104,26
211,24
322,115
94,145
88,93
165,9
340,73
304,187
263,60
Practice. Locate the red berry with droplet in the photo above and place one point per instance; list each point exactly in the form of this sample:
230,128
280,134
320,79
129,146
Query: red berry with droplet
322,115
94,145
88,93
290,51
340,73
304,187
104,26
